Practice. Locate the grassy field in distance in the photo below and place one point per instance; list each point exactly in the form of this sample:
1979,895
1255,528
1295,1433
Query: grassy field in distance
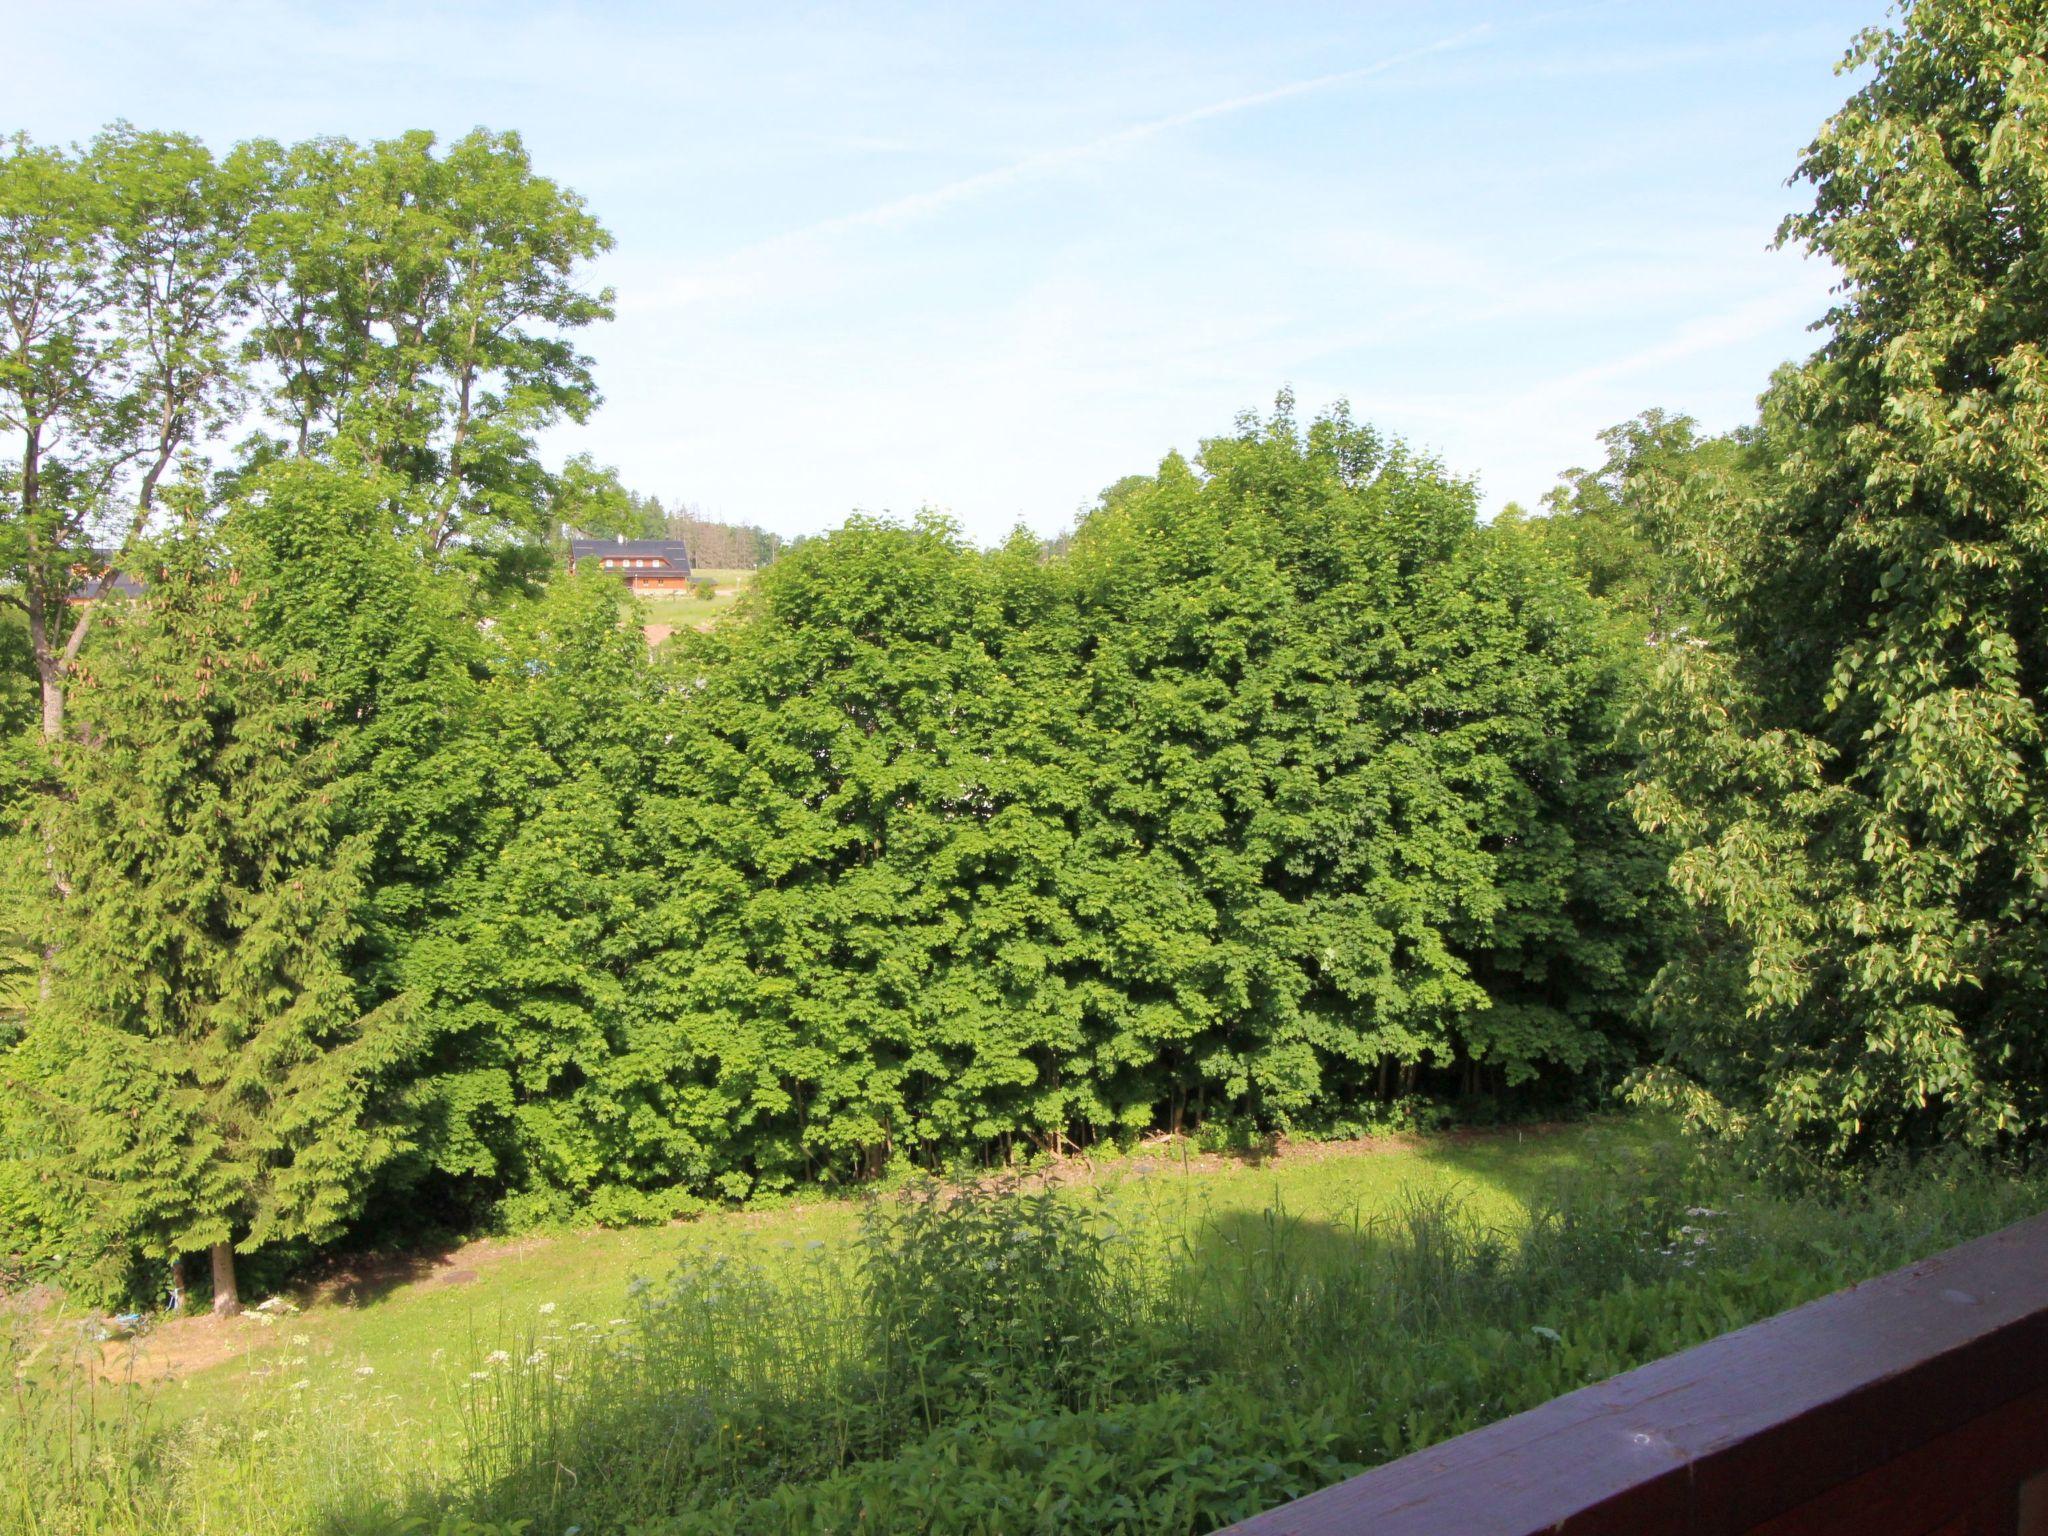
688,611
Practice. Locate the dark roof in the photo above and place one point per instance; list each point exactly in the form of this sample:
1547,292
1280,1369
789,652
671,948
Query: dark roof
91,568
671,550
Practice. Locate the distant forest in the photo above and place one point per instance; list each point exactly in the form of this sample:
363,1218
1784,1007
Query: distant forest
723,546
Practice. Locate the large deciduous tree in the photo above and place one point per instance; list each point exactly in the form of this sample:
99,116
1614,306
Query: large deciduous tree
417,313
1360,758
1856,764
122,276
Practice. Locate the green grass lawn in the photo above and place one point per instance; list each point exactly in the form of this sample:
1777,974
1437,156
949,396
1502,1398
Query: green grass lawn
420,1335
1161,1343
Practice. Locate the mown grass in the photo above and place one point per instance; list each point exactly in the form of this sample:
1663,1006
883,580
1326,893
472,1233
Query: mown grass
1156,1352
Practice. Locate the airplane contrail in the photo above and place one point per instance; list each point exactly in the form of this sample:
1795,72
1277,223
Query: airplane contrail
917,205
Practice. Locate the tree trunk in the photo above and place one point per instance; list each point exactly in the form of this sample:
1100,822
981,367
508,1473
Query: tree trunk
227,1300
178,1283
53,705
49,666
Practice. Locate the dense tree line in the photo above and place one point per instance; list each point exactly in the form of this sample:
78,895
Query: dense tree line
719,546
1291,789
369,867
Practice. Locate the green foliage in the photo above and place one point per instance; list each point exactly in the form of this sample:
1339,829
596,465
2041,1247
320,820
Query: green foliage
397,655
996,1291
592,500
416,312
1289,785
861,821
551,1068
123,272
1637,530
205,1065
1852,760
1358,751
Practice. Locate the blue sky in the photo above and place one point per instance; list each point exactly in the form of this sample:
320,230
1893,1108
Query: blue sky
990,258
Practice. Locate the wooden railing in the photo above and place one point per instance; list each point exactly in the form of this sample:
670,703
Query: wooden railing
1913,1405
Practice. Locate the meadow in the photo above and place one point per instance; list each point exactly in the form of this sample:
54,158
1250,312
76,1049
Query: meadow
689,611
1162,1342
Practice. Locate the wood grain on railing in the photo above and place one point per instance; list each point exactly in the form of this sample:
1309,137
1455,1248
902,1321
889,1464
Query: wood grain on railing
1915,1404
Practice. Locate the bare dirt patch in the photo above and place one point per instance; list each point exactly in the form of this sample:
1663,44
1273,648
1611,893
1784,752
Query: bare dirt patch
180,1346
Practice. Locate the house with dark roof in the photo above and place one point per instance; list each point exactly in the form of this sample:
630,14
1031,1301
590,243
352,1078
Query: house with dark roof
649,565
90,579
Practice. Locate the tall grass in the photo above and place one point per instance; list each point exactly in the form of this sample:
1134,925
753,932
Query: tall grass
998,1360
86,1449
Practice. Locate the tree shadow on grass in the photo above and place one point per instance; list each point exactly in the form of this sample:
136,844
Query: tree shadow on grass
365,1279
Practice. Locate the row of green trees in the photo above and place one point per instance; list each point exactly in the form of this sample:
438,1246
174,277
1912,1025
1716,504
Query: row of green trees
1289,784
372,869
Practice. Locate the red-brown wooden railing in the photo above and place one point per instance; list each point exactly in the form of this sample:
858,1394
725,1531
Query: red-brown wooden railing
1915,1404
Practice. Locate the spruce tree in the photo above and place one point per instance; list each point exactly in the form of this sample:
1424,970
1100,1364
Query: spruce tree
202,1055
